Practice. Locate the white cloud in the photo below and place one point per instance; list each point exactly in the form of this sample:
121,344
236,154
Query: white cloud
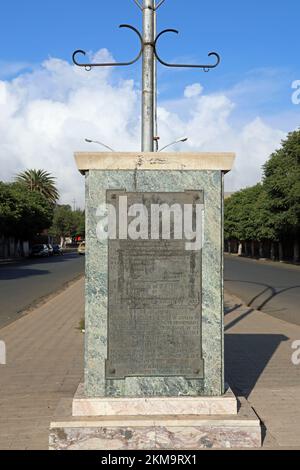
208,125
10,69
45,115
193,90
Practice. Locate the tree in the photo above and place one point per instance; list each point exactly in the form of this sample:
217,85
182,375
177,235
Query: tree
282,185
62,222
239,217
39,181
23,213
78,223
247,217
67,223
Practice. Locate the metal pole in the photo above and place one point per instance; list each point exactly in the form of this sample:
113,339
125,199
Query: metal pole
148,77
155,130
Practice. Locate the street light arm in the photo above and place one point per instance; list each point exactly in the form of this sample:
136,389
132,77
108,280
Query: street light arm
159,4
155,8
183,139
138,4
89,141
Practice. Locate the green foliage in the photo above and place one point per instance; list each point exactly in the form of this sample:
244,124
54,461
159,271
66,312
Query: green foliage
41,182
247,216
23,213
282,184
78,223
67,222
27,207
269,210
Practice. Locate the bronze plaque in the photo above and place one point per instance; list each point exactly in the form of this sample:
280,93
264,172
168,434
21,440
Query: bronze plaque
154,299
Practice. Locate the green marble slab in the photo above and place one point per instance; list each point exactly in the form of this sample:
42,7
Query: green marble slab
211,182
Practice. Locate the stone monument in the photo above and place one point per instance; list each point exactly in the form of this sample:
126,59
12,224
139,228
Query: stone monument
154,332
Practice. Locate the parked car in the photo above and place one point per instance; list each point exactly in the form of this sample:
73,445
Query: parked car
40,250
81,248
51,251
57,250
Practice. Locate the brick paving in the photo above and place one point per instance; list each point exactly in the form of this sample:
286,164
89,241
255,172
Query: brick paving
258,365
45,364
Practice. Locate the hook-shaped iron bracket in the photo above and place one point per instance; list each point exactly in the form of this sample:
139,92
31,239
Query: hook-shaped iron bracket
206,68
88,66
110,64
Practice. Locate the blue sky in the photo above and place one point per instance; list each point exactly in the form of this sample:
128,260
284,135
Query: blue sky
258,42
253,37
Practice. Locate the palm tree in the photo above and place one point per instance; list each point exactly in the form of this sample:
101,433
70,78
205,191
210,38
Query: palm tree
39,181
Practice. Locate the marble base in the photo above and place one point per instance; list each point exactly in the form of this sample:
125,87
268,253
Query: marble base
158,432
138,180
153,406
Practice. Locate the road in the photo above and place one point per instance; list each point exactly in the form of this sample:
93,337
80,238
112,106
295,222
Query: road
23,283
271,287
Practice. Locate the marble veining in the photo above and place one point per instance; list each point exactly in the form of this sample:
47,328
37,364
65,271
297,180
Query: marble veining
155,437
211,182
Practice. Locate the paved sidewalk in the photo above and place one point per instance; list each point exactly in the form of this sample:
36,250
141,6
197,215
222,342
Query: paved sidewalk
258,365
45,363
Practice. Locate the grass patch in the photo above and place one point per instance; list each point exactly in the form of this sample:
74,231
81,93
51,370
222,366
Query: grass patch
81,325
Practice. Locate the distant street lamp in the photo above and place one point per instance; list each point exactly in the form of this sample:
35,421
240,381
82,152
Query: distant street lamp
182,139
89,141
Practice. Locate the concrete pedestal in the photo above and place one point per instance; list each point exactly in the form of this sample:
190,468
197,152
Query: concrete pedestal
197,369
154,406
179,423
154,317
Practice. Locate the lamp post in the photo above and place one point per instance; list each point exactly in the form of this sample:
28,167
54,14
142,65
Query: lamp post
148,77
148,51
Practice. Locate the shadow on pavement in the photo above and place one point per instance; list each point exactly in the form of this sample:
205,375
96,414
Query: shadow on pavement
21,273
265,295
238,319
32,267
246,357
231,309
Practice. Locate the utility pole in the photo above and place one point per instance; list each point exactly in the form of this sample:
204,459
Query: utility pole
148,50
155,128
148,77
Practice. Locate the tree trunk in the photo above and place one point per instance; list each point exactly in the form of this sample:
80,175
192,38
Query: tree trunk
240,249
280,248
272,251
18,251
62,242
253,249
261,249
296,250
229,246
